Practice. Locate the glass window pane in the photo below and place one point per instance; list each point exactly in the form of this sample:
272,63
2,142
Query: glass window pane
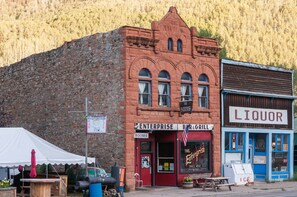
240,141
165,156
145,147
273,142
144,73
179,45
227,141
144,88
279,161
170,44
163,75
186,92
186,77
278,142
285,143
195,157
203,96
166,149
260,142
203,78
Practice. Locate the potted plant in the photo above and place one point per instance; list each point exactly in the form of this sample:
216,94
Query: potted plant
6,190
187,182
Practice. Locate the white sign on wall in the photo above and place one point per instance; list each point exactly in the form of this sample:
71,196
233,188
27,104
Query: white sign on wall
96,124
258,115
141,135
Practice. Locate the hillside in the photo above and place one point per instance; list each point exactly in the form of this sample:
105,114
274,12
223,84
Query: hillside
260,31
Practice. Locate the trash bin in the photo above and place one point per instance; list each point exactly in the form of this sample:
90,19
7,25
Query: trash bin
95,190
121,190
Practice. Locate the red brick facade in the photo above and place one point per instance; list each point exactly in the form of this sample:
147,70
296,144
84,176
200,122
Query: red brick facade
148,49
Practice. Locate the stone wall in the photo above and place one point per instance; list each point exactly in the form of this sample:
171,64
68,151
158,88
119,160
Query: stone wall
45,93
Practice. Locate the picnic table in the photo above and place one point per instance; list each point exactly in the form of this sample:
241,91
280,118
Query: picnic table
216,182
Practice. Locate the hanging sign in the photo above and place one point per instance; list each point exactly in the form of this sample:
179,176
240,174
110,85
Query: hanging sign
185,107
96,124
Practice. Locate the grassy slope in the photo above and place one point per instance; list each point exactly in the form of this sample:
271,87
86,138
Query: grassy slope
261,31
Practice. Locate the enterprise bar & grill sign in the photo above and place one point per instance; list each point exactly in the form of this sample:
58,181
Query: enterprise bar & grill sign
171,126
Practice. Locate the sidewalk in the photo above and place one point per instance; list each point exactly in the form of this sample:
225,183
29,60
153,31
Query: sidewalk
224,191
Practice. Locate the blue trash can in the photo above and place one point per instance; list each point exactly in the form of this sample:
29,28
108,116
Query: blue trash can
95,190
121,190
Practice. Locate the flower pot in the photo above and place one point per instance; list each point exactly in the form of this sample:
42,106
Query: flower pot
8,192
188,185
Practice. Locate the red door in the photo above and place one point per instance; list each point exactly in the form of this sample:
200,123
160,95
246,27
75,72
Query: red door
146,169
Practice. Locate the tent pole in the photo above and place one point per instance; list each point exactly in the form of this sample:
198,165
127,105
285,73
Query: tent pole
46,171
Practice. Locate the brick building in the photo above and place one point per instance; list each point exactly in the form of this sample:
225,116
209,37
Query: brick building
139,78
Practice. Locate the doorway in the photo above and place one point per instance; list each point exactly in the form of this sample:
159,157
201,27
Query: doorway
146,163
258,154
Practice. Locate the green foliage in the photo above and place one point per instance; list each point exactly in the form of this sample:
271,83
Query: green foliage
207,33
187,179
254,31
4,183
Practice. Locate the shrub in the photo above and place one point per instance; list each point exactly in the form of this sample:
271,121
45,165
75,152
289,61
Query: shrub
187,179
4,183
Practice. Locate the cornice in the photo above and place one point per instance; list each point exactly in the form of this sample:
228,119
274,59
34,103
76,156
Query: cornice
142,41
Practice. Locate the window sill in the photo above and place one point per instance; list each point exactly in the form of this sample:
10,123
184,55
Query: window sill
170,110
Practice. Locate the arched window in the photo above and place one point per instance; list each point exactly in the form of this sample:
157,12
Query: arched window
170,44
186,87
164,89
179,45
203,91
144,87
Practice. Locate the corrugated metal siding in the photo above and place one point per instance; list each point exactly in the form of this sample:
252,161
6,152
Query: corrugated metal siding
256,102
256,80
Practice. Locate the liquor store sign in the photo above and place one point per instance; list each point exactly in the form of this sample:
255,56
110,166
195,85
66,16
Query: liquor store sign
258,115
172,127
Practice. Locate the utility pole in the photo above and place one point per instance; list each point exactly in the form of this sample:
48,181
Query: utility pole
86,118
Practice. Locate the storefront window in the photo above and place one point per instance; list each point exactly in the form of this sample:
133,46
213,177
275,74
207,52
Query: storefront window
195,157
165,157
234,141
260,142
234,146
280,152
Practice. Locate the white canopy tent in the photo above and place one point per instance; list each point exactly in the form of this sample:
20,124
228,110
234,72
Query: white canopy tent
16,145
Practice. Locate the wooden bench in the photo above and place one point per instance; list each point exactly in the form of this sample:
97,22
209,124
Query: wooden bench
216,182
224,185
199,179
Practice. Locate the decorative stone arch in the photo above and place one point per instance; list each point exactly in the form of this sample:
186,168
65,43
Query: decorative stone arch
186,66
142,62
210,72
169,66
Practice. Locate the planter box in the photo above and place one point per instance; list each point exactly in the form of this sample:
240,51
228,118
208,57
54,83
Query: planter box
188,185
8,192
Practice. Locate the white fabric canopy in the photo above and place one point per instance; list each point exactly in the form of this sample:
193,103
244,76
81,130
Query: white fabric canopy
16,145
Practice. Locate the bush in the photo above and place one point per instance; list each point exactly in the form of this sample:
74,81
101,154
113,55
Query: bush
4,183
187,179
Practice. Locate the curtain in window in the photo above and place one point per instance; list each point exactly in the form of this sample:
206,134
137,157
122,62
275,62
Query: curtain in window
161,88
183,91
141,87
200,94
